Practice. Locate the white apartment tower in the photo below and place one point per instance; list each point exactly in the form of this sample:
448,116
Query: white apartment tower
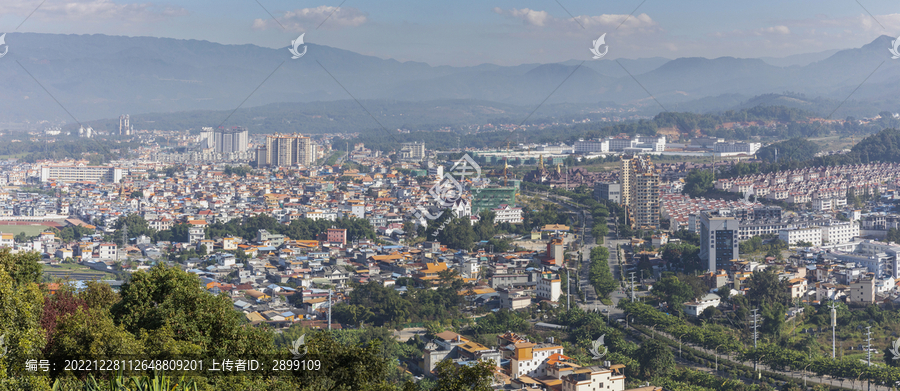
125,125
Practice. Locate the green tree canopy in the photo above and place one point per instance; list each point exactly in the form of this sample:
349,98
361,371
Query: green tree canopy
655,359
172,302
698,182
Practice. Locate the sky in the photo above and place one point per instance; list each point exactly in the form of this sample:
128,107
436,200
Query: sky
472,32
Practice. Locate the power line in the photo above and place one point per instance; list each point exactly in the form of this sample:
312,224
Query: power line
833,325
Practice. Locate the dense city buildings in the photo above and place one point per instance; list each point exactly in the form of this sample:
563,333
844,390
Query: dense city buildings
805,185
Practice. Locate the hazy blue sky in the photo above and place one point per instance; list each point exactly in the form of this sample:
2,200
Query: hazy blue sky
470,32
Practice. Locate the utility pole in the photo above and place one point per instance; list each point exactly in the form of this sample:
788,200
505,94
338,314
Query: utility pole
869,346
583,221
833,325
329,309
755,318
124,241
632,287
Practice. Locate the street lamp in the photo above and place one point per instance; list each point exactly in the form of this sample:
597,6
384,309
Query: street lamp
804,375
679,343
756,364
716,353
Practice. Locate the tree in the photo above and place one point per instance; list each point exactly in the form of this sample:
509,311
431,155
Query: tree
59,305
98,295
698,182
457,234
484,229
22,267
672,291
91,333
168,306
352,314
21,304
709,313
447,276
767,287
772,318
599,274
655,358
454,377
411,229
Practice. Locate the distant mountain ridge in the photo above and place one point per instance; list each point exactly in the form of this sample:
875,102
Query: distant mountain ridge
100,76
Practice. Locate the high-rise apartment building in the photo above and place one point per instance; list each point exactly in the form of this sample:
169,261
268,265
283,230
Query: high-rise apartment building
207,138
412,151
235,139
640,190
286,150
125,125
719,238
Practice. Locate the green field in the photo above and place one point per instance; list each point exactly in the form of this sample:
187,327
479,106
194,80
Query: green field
14,156
74,272
29,230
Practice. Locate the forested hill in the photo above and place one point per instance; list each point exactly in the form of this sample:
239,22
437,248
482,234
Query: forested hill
788,123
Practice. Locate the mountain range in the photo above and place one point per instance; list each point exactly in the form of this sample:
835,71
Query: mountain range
101,76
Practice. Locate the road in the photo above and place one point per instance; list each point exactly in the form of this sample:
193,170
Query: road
592,302
796,374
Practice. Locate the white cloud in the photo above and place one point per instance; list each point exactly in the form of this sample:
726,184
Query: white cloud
308,18
90,10
760,32
624,24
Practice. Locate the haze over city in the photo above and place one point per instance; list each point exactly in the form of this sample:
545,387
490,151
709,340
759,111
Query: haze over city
441,196
466,33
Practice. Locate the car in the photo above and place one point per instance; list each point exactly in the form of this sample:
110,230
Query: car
605,310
